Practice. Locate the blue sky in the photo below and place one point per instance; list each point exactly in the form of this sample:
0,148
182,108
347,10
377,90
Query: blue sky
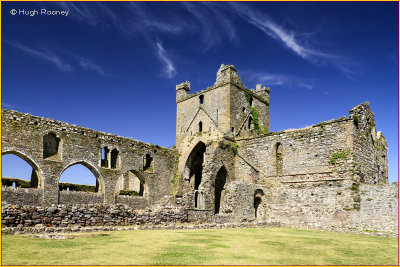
113,66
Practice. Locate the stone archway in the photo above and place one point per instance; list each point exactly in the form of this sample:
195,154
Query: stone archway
95,172
219,187
37,174
258,200
194,170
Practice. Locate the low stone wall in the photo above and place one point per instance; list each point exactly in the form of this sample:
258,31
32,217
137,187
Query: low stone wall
135,202
335,206
76,197
86,215
20,196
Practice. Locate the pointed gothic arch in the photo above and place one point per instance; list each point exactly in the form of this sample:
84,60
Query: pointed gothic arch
219,188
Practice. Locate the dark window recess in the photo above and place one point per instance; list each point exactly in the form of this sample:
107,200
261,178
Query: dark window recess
201,99
250,122
50,145
243,109
278,158
114,158
148,163
220,181
233,129
200,126
251,101
196,199
104,156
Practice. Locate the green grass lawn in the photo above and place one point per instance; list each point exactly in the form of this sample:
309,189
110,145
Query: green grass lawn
267,246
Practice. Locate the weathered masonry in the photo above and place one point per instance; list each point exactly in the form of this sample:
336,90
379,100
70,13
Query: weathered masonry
227,166
118,163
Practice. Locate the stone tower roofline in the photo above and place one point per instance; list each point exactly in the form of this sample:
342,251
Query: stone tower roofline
183,89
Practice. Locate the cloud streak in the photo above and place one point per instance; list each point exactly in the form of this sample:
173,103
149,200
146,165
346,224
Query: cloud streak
279,79
211,23
169,70
294,41
45,55
89,65
60,62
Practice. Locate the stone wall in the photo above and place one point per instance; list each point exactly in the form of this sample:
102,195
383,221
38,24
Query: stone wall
334,206
25,135
370,147
86,215
72,197
303,154
22,196
378,208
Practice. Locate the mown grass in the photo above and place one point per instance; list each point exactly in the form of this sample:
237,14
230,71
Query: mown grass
270,246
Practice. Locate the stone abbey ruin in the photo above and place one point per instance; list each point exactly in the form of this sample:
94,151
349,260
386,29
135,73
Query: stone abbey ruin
227,167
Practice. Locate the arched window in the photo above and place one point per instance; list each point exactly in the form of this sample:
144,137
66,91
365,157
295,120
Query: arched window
51,145
200,126
278,158
148,163
251,101
104,156
19,172
114,158
201,99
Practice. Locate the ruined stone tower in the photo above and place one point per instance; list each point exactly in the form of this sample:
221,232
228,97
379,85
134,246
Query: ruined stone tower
224,111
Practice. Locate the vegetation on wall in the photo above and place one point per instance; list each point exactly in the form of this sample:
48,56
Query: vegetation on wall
249,94
355,120
342,154
76,187
254,113
7,181
234,148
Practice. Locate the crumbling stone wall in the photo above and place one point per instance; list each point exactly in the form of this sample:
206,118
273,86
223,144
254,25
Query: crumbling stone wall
86,215
370,147
23,135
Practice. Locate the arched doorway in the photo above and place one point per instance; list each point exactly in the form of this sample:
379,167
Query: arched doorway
80,183
78,177
220,181
258,197
194,169
19,171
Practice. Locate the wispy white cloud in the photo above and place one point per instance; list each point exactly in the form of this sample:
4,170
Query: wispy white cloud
213,23
297,42
64,63
278,79
168,67
272,29
142,19
89,65
43,54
